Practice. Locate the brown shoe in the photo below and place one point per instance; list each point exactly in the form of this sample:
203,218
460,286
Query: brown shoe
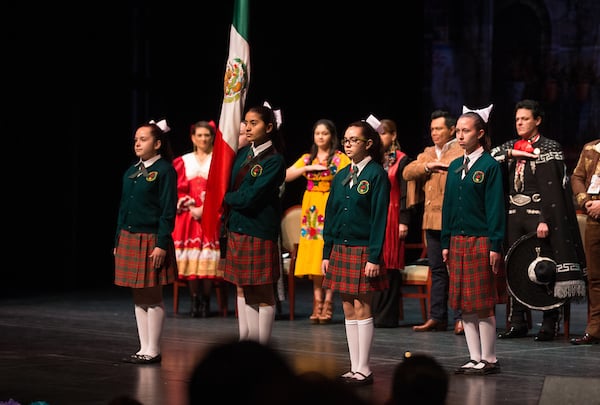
431,326
587,339
458,328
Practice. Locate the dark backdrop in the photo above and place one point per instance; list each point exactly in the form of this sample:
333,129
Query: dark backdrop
78,80
82,78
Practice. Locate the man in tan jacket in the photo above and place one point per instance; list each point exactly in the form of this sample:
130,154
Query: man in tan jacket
585,183
429,172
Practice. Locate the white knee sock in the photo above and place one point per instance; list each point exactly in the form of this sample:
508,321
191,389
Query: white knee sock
253,322
352,338
156,321
471,327
366,330
141,318
487,332
266,317
242,318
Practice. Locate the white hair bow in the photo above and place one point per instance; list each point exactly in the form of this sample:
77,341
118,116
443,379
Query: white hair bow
162,124
374,123
276,113
484,113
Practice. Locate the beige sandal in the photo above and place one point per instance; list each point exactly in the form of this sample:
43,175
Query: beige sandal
317,309
327,313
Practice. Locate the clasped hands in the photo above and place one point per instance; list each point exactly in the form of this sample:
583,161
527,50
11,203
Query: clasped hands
371,269
592,207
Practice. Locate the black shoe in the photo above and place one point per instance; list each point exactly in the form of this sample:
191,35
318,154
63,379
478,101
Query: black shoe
205,308
514,332
488,368
346,376
195,310
544,336
133,358
147,359
548,331
366,380
462,369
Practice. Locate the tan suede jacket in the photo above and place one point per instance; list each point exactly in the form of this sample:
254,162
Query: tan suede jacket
429,187
586,167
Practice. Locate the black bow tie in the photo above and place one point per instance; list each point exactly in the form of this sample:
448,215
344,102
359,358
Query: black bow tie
141,171
353,175
464,166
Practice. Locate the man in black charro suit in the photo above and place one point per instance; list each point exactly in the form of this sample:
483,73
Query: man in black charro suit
540,201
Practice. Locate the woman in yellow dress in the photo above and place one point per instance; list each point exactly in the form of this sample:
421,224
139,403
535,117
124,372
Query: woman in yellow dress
319,166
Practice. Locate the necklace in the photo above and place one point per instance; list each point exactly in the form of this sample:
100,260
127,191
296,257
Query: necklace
389,159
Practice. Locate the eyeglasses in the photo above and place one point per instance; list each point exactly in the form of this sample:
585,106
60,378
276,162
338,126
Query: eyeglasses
352,141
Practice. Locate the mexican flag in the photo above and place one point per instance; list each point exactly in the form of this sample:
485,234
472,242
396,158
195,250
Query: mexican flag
237,78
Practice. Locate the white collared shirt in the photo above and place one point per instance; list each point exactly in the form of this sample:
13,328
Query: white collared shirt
360,165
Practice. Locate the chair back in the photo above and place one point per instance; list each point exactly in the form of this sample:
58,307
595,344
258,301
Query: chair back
290,228
290,238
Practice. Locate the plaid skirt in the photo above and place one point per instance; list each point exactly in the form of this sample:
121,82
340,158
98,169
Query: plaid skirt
133,265
251,260
346,272
472,282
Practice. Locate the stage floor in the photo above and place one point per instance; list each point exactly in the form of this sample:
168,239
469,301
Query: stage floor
64,348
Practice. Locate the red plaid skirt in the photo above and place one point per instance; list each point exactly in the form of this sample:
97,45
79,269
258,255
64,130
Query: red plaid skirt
346,272
472,282
251,260
133,266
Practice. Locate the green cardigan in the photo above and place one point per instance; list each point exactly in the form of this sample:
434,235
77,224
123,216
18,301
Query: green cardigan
148,204
255,206
357,216
475,205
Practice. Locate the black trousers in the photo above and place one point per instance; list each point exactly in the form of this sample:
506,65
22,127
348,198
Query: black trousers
385,306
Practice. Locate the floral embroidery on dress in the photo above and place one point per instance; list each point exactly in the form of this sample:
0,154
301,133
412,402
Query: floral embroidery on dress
314,178
312,224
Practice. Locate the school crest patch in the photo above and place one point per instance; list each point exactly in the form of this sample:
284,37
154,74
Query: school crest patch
363,187
478,176
256,170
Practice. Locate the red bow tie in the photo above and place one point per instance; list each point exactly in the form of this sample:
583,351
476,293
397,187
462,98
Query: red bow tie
524,146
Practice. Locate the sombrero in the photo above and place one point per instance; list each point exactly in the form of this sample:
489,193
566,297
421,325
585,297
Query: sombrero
531,273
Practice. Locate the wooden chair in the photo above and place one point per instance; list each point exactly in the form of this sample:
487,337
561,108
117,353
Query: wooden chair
290,238
418,275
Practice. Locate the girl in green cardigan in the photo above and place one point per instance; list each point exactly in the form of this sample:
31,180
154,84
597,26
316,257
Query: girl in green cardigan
144,249
353,233
473,226
253,224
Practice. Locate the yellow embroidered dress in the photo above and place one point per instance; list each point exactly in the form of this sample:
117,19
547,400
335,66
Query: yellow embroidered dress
310,248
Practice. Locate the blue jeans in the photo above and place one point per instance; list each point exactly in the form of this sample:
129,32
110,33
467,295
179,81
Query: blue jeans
439,279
